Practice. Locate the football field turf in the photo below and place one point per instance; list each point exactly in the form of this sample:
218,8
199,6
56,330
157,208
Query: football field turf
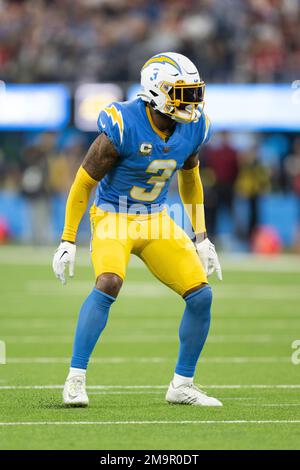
246,362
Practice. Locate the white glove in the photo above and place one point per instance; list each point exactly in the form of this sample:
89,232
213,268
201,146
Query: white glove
65,254
209,258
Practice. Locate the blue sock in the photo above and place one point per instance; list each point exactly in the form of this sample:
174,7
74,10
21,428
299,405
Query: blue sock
193,330
92,319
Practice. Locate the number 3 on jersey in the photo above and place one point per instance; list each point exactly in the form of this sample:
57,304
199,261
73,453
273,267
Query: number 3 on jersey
158,181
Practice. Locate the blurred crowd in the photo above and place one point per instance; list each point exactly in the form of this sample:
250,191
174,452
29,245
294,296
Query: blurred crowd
108,40
234,167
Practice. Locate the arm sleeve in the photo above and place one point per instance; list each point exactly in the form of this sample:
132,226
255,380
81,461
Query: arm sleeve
77,203
192,196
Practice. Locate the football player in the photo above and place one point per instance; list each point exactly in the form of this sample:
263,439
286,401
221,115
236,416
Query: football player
141,144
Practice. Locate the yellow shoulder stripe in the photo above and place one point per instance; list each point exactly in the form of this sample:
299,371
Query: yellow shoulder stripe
116,117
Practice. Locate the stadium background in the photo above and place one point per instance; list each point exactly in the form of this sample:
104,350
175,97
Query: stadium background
251,172
60,61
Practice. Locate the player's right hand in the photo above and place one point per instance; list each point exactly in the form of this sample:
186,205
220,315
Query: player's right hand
64,255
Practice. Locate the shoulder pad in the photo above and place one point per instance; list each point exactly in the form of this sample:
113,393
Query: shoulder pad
111,123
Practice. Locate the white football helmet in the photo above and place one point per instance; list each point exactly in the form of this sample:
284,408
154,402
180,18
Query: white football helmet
172,85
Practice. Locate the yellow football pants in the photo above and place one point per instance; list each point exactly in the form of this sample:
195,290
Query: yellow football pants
156,239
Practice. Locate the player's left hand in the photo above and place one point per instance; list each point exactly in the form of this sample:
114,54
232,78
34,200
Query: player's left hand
64,255
209,258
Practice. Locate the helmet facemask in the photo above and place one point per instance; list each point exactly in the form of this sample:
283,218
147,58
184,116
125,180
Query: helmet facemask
178,98
184,101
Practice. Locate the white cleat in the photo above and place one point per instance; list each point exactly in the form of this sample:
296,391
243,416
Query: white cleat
189,394
74,393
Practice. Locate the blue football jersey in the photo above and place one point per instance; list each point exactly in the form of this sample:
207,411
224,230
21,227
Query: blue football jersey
141,178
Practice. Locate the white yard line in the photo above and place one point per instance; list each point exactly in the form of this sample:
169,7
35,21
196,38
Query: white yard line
105,360
151,360
149,289
123,423
272,405
162,393
130,392
237,339
156,387
230,323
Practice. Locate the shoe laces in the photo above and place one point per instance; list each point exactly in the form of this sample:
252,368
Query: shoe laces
195,390
198,389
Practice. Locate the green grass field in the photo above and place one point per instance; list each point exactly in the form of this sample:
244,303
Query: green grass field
246,362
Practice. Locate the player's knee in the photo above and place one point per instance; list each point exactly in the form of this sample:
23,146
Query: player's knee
195,289
200,300
109,283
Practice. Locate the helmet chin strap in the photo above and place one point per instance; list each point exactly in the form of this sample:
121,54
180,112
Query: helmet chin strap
144,97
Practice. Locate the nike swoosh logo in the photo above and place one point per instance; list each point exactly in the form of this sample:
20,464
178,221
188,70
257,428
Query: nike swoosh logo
63,254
